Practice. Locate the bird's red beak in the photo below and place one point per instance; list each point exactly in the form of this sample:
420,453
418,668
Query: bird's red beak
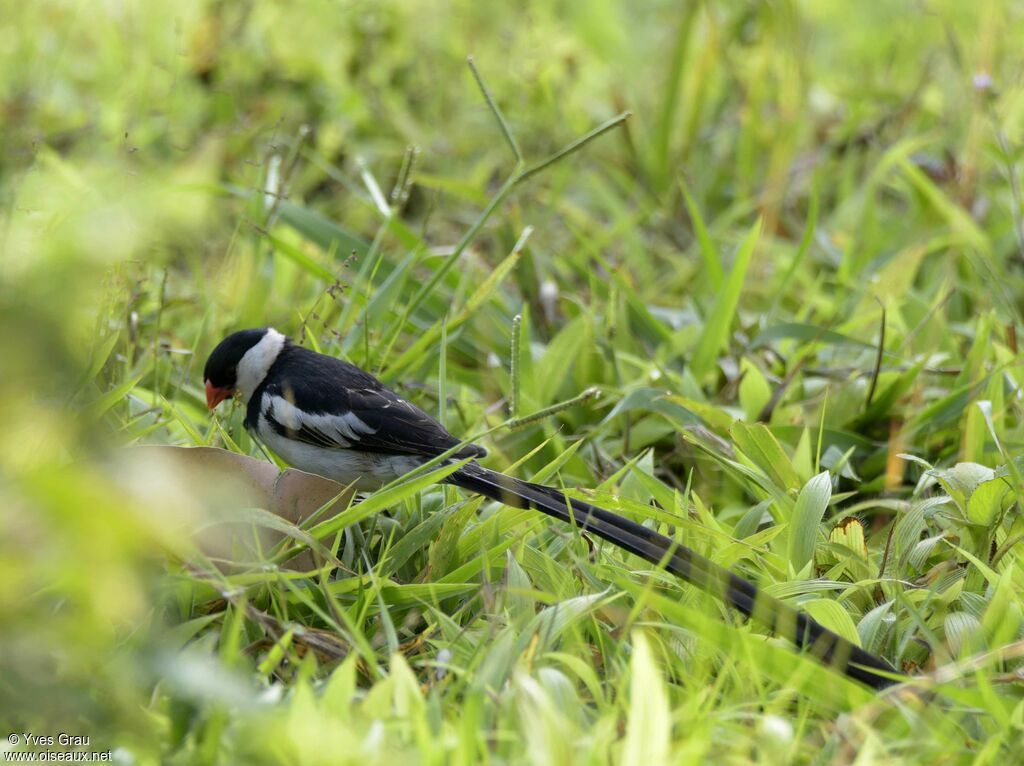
214,395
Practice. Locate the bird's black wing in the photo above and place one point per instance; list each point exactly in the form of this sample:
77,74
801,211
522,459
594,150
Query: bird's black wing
329,403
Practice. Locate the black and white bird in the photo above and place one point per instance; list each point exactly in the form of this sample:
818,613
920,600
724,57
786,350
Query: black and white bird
329,417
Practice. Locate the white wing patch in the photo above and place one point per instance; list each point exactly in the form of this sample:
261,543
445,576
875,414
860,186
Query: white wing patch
346,428
364,470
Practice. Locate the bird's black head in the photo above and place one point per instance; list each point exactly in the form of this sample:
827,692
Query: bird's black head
221,371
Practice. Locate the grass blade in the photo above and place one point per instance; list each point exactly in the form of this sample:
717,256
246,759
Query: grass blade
716,327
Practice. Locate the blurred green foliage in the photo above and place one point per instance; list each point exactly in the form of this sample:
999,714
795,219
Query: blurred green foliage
798,182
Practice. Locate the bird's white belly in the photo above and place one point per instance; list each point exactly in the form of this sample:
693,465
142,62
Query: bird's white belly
364,470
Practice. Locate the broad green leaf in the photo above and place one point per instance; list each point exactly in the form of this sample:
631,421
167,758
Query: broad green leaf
963,633
833,616
986,501
101,351
751,520
408,700
850,534
549,470
805,525
874,625
947,409
962,480
909,528
987,572
416,539
644,324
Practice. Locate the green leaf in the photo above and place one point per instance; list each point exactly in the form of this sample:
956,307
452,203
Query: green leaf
642,322
805,526
832,615
958,219
1002,618
559,357
708,251
762,448
100,405
986,501
962,480
408,699
909,528
806,333
520,603
551,622
340,690
649,721
751,520
963,632
676,409
326,233
101,352
443,552
896,386
850,535
300,259
416,539
755,392
716,327
873,626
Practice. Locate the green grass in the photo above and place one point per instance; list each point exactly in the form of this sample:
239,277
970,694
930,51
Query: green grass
677,316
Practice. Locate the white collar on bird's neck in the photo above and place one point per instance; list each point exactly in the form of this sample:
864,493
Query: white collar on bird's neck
257,361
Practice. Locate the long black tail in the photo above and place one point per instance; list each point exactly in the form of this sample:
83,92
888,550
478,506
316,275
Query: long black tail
780,618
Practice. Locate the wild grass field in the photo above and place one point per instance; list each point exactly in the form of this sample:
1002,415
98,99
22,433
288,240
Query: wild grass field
750,273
